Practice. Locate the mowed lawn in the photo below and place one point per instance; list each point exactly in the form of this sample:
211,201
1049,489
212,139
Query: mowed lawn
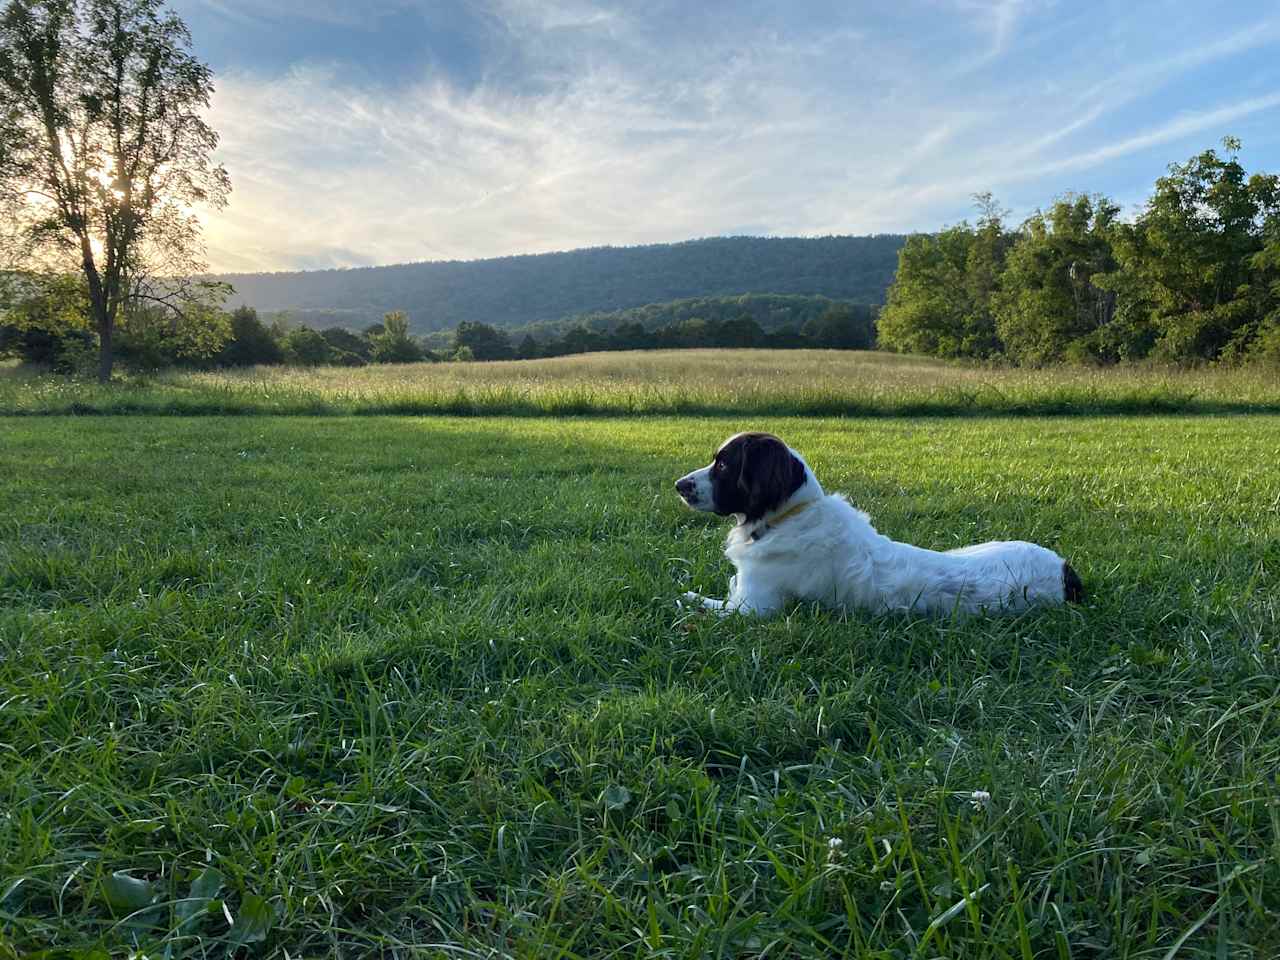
418,687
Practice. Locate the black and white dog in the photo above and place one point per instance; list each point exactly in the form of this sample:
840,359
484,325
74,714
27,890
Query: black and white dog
793,541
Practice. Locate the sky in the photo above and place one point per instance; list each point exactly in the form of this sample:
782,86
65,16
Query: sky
363,132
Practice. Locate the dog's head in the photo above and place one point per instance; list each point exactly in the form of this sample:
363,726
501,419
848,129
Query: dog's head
751,474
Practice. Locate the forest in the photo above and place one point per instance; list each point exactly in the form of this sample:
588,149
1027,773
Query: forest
522,290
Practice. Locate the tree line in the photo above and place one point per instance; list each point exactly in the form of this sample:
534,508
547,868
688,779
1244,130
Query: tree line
839,326
246,339
1194,277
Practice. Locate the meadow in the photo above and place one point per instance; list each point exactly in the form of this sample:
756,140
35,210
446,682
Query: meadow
668,383
418,687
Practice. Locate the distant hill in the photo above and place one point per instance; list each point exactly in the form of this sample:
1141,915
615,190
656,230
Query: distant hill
519,291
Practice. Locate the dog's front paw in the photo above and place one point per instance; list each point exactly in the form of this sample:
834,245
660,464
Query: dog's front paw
691,602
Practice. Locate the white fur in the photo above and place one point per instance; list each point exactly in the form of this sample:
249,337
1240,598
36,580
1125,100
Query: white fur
828,551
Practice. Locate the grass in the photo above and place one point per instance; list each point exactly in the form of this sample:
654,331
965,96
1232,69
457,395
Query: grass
395,687
686,382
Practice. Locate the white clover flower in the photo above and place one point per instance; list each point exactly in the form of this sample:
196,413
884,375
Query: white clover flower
834,852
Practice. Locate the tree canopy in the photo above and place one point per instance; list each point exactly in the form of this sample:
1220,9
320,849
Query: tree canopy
1194,276
104,159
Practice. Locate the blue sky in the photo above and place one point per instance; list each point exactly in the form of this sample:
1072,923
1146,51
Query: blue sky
385,131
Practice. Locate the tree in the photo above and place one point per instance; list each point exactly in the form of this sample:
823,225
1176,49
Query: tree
1192,256
483,341
48,302
42,319
251,342
394,344
631,336
941,300
741,331
153,339
578,340
104,155
788,338
306,348
1261,339
927,309
983,266
528,349
351,349
842,326
1048,308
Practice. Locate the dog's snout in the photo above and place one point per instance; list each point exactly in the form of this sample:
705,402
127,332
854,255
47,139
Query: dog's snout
684,486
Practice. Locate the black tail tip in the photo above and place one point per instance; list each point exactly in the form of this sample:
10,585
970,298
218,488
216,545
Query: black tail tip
1072,588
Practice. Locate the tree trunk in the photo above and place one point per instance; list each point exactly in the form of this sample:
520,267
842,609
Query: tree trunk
106,356
103,316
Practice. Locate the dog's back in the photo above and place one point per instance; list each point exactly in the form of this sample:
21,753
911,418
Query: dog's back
832,554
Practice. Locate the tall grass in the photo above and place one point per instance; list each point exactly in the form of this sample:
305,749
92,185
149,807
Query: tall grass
705,382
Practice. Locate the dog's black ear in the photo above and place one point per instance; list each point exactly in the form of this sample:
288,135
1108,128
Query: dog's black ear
770,473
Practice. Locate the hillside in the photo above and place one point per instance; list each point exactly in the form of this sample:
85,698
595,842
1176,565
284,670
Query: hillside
518,291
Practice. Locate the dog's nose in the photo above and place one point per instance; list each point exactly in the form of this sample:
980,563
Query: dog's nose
684,487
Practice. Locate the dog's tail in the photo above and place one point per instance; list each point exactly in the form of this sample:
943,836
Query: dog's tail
1072,587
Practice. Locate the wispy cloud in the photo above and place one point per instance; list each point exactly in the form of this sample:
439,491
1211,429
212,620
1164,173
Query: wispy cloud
1002,18
607,123
333,12
1176,129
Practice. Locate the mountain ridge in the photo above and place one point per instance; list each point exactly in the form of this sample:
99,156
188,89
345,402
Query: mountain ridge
522,289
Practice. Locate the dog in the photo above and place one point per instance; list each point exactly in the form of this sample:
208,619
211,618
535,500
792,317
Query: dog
792,541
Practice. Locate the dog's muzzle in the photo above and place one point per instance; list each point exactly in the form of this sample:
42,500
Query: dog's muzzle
695,489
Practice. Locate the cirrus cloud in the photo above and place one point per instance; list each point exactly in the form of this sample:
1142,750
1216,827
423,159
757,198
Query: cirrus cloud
578,123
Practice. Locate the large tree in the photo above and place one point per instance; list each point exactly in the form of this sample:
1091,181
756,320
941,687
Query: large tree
482,341
1047,307
1196,255
105,156
395,344
940,302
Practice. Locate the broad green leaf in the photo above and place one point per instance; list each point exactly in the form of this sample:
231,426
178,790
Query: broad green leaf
203,889
253,921
616,797
126,894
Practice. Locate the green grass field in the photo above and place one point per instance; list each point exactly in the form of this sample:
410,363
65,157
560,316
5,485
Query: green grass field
681,382
404,687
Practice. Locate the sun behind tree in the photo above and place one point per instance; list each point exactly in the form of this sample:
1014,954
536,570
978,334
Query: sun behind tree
105,156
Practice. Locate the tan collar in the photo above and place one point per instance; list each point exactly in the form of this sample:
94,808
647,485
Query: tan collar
764,528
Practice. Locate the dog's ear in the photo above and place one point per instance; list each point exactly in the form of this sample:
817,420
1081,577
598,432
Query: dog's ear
770,474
